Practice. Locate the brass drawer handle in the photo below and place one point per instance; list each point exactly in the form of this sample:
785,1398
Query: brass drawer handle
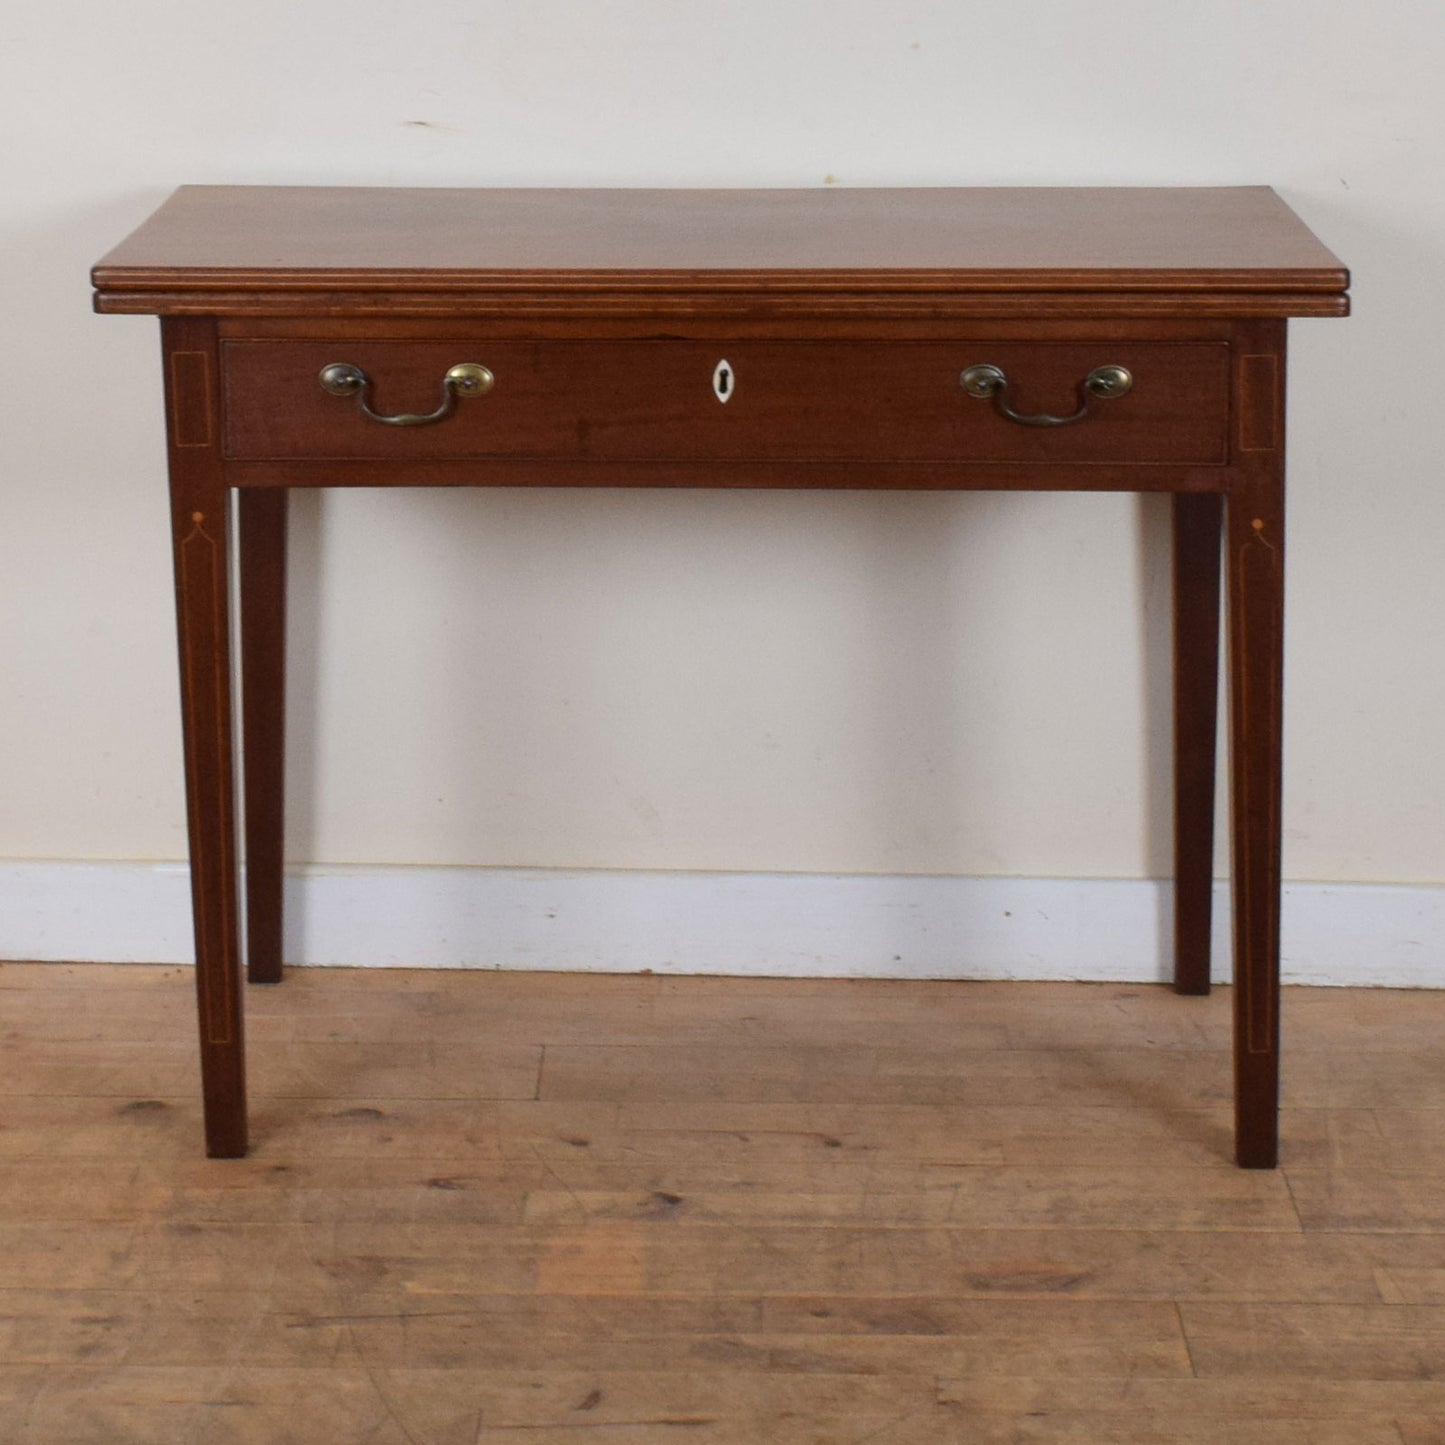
466,378
1102,383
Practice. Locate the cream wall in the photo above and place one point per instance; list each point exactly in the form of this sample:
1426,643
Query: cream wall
914,684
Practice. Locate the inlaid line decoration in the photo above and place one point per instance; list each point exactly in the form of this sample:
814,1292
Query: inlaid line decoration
1259,397
190,398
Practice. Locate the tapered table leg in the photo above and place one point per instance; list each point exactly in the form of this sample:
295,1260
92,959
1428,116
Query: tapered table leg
262,561
1197,521
1255,551
199,537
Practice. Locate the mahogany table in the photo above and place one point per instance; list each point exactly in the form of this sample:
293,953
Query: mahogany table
1050,339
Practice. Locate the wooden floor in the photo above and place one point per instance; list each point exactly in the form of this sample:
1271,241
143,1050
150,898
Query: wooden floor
547,1209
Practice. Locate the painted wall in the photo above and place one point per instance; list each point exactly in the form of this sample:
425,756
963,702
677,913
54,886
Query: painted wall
914,684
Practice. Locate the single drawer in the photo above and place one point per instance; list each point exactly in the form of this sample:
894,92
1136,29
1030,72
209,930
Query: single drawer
750,400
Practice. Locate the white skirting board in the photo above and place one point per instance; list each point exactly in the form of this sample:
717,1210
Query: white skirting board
773,924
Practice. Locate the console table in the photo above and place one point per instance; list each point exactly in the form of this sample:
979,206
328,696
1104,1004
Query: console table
1042,339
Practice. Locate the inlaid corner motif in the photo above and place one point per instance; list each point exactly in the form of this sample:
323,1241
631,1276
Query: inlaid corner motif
191,399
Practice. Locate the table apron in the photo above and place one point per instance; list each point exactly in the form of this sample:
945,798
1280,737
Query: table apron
749,476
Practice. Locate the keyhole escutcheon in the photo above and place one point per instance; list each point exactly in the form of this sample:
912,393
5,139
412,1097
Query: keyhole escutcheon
722,381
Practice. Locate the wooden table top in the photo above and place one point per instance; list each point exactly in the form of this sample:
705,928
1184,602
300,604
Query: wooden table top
239,241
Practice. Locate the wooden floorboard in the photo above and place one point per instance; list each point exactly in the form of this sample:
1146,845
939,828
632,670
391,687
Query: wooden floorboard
541,1208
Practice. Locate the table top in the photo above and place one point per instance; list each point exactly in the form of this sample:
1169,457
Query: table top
234,242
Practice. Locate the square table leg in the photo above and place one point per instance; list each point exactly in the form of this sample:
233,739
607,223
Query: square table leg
1197,520
261,557
1255,550
199,516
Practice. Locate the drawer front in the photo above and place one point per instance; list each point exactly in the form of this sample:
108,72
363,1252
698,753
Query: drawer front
662,401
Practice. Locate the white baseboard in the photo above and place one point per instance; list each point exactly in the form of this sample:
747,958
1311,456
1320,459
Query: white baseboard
725,923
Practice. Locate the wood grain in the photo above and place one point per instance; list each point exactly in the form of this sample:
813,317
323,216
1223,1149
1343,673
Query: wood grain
798,402
310,245
1084,1266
